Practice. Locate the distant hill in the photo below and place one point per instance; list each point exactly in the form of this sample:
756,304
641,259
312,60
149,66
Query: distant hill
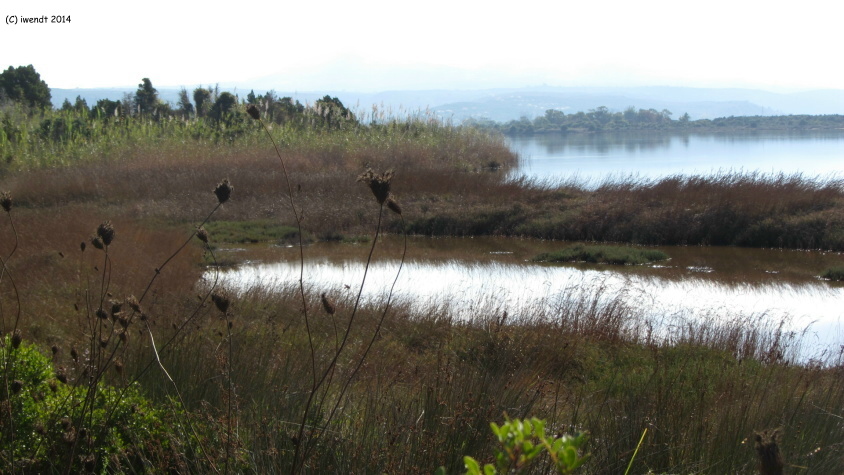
507,104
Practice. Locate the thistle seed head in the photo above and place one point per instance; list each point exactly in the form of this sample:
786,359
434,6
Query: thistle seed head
223,191
221,299
768,452
16,386
6,201
17,338
133,303
393,205
97,242
327,304
105,231
252,110
82,246
74,354
101,314
202,234
378,183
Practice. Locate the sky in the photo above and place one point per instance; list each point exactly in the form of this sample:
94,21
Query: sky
375,45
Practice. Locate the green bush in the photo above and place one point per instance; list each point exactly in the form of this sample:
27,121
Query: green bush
48,425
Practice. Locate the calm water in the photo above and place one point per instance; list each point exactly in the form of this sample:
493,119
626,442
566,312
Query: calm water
594,157
486,276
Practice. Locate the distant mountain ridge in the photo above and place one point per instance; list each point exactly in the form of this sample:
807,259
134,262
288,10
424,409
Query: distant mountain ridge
512,103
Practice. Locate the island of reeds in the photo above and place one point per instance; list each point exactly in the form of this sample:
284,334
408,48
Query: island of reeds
120,354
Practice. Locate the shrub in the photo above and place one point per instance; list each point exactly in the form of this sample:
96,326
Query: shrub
51,423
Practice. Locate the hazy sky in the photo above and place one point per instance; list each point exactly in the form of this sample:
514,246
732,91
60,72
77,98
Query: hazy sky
371,45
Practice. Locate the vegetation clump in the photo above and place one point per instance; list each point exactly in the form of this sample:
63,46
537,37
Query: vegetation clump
617,255
834,273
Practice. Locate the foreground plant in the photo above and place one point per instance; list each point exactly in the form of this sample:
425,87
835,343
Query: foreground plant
522,444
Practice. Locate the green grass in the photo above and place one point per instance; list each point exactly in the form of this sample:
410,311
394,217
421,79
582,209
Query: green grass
834,273
617,255
250,231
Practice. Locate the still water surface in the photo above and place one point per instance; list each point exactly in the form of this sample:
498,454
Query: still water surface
592,158
487,276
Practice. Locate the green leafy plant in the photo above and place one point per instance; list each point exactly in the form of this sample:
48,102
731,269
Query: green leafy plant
522,444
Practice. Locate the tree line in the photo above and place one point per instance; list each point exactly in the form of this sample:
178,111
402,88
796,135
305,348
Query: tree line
24,86
602,119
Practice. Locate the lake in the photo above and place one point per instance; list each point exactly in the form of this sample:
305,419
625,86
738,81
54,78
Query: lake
592,158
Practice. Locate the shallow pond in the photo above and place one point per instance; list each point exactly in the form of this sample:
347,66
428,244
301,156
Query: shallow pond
473,277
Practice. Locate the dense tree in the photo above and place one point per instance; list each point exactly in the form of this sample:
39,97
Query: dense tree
23,84
332,112
185,105
251,98
223,106
146,98
202,100
106,109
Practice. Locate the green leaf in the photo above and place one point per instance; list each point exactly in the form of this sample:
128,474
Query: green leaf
472,466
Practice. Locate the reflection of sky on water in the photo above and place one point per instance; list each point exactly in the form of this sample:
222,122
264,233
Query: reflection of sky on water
525,290
594,157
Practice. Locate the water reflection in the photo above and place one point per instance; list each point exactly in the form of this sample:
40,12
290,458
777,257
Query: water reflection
472,277
594,157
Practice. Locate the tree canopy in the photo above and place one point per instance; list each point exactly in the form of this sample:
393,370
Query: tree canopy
24,85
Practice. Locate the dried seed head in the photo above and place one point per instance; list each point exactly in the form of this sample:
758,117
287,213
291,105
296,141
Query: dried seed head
123,321
378,183
73,354
82,246
123,336
17,338
6,201
768,452
221,299
61,376
54,349
393,205
115,307
223,191
252,110
97,242
106,232
118,366
90,463
327,305
16,386
103,342
202,234
101,314
133,303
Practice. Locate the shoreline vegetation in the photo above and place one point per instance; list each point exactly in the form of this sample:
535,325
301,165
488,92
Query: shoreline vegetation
117,356
631,119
